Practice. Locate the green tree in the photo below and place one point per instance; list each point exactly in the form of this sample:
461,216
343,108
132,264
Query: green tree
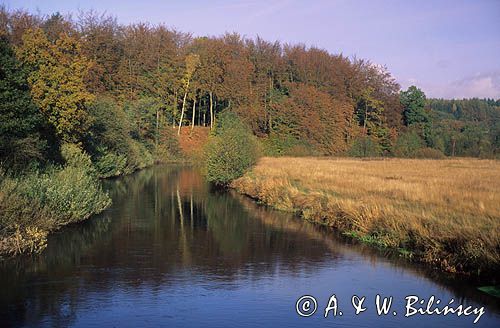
370,111
19,117
413,101
231,150
408,144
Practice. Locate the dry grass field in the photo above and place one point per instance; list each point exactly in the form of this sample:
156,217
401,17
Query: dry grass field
443,212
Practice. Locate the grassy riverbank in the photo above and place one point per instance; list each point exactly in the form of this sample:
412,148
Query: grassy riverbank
36,203
442,212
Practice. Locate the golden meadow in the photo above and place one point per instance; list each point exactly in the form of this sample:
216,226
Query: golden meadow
442,212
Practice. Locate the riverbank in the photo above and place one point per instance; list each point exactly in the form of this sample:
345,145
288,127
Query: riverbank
36,203
441,212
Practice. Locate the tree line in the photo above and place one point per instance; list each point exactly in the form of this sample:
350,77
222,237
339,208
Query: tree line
115,89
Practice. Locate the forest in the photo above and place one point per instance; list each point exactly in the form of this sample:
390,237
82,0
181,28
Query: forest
86,97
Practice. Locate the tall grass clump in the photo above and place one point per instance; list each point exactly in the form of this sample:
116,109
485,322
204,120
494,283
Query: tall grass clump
36,203
230,151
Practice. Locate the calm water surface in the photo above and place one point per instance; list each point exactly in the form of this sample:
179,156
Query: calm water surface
172,252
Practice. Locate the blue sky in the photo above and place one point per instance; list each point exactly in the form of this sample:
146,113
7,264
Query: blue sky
447,48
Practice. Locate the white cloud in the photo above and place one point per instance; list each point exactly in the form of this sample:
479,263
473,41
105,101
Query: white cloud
481,86
486,85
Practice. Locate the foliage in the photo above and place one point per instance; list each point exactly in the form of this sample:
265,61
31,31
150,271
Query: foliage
57,81
369,112
467,127
110,127
427,152
110,139
230,151
311,116
413,101
110,164
285,145
142,114
168,148
138,157
21,123
34,204
408,144
364,146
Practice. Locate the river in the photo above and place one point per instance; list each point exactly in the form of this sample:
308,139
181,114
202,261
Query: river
172,252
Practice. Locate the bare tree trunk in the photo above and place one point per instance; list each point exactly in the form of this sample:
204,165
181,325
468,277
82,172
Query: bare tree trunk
174,110
211,111
194,114
157,126
183,107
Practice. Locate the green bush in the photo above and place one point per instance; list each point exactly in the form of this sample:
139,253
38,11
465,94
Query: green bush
110,129
364,146
36,203
138,157
168,148
286,145
408,144
115,140
110,164
429,153
74,156
230,150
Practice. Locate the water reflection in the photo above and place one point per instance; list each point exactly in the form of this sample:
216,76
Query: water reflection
168,242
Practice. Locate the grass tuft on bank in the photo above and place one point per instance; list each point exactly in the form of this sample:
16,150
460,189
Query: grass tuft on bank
442,212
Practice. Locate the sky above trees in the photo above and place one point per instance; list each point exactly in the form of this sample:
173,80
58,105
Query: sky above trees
447,48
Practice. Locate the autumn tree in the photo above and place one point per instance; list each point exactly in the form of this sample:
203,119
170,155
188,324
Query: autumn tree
57,73
101,42
210,73
313,116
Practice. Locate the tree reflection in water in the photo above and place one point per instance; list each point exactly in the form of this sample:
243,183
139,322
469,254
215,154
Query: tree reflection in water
166,228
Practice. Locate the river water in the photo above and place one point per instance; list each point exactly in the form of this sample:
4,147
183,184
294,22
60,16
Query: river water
172,252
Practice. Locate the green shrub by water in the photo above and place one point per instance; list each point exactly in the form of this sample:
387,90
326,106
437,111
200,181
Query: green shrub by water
230,151
36,203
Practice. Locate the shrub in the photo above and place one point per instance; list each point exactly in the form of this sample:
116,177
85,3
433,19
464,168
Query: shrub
429,153
74,156
408,144
364,146
230,150
138,156
168,148
286,145
110,128
110,164
34,204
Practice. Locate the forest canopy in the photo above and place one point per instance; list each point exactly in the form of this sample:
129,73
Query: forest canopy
115,90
